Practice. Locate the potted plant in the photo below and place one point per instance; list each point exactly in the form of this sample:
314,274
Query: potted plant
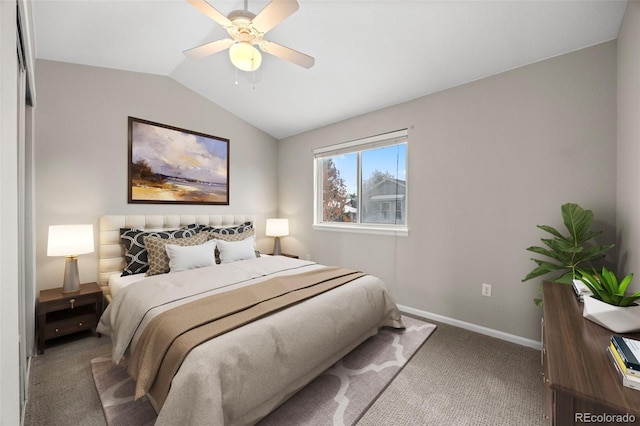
609,305
567,252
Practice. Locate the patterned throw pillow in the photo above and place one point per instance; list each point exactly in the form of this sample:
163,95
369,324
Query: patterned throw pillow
157,254
135,251
232,237
230,230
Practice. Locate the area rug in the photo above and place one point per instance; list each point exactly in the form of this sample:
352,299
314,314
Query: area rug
340,396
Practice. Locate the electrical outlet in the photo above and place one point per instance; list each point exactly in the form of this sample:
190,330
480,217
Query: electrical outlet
486,290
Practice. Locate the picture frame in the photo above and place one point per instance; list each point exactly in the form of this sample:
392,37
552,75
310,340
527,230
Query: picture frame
170,165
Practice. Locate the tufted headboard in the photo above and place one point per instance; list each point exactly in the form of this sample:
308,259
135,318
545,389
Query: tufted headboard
111,251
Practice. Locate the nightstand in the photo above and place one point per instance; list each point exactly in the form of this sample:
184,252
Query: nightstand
60,314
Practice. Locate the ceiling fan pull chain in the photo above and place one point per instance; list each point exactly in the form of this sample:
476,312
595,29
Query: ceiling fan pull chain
253,73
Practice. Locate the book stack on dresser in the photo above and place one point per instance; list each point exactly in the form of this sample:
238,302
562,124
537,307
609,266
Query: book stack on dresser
624,353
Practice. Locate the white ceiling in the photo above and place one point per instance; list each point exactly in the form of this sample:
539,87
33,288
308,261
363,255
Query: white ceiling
369,54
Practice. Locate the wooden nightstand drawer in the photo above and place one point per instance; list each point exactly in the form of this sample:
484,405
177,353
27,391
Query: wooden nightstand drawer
70,325
71,303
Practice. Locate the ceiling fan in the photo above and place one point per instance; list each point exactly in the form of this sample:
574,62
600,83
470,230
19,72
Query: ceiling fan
246,30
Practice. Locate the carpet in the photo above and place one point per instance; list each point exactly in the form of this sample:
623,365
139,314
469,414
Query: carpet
339,396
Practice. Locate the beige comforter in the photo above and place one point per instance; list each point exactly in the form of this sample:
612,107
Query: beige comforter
239,377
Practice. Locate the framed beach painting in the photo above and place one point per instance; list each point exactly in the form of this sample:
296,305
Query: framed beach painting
169,165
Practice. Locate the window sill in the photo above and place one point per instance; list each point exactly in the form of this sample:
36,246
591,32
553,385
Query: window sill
364,229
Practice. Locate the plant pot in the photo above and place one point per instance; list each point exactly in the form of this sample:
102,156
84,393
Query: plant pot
615,318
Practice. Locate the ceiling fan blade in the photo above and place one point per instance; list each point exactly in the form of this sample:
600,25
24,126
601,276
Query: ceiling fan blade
209,48
211,12
274,13
287,54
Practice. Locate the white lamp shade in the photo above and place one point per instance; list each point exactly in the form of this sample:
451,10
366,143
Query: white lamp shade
277,227
70,240
245,57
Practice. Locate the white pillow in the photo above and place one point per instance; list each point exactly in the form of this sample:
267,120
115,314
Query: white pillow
182,258
231,251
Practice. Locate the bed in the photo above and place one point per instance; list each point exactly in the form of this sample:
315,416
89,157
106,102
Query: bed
241,375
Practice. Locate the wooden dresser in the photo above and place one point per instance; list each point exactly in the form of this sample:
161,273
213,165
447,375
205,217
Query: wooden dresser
580,381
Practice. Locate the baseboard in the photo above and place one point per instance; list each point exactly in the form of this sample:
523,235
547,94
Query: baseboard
474,327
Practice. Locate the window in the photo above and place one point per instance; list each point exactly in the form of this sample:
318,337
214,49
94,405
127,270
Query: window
361,185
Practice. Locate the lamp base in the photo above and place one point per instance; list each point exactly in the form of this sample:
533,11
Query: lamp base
71,276
276,247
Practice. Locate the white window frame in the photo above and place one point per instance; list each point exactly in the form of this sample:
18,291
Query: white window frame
357,146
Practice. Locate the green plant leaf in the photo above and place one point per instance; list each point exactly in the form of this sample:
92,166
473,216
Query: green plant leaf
562,258
541,250
577,220
609,281
622,288
629,300
566,278
543,268
606,298
593,253
562,247
559,252
551,230
591,234
590,281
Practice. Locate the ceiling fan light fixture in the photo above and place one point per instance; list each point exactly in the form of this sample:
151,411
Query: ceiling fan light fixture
247,30
245,57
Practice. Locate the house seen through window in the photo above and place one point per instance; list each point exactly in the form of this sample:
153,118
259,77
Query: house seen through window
362,184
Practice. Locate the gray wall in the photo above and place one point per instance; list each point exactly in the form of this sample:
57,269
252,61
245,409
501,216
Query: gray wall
81,152
487,162
628,190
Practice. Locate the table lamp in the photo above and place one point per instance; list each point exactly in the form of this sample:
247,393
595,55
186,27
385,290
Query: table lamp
277,228
70,241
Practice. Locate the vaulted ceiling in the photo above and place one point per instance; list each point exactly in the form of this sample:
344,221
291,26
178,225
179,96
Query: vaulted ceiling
368,54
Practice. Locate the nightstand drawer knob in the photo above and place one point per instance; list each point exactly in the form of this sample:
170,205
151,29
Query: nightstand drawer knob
57,330
80,324
72,301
